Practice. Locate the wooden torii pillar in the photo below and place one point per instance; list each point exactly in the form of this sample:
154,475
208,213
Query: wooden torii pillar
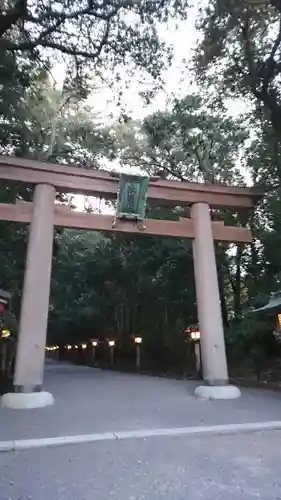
43,214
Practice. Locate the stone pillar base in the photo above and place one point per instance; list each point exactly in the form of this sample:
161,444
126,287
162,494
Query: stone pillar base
27,401
217,392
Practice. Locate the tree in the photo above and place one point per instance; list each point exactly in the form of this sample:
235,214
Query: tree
59,126
185,142
239,56
193,144
104,33
263,159
124,286
40,122
240,52
16,75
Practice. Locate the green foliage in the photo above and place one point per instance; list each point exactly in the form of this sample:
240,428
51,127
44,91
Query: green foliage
240,54
86,34
16,76
194,144
239,57
122,286
250,342
39,122
58,126
186,142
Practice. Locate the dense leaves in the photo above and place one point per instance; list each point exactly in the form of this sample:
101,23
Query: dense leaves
240,52
105,33
186,142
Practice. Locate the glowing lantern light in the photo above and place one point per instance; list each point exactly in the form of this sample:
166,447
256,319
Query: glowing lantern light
5,333
138,340
195,335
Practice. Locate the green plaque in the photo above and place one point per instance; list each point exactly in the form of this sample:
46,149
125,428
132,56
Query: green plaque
131,197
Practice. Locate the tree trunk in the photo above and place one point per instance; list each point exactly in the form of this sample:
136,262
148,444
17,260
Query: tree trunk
237,288
4,357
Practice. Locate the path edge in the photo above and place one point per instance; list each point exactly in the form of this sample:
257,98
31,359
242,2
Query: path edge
224,429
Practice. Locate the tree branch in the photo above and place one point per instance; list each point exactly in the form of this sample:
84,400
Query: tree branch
207,176
9,17
248,51
71,50
276,43
167,169
51,15
269,66
16,14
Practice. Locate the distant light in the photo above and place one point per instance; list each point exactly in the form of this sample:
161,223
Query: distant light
138,340
84,346
94,343
76,346
5,333
69,347
111,343
52,348
195,335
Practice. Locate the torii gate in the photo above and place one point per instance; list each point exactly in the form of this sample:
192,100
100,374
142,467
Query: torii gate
43,214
